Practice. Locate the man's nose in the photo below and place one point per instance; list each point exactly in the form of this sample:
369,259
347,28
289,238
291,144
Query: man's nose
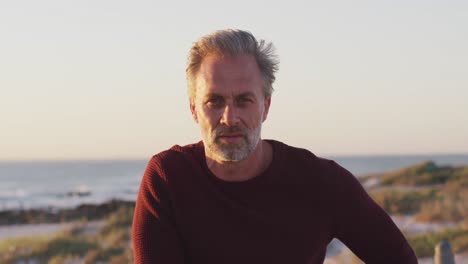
230,116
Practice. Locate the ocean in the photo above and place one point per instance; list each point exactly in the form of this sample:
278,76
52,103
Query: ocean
66,184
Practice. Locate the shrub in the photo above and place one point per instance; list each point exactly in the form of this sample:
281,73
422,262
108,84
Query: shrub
402,202
425,173
424,244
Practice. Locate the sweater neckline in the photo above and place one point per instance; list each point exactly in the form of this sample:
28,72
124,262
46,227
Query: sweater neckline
264,176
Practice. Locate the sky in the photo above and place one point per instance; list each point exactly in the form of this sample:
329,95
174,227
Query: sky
106,79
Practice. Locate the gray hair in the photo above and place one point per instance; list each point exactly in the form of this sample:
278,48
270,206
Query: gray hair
233,42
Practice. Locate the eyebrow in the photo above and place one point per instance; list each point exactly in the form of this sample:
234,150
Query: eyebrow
246,94
212,95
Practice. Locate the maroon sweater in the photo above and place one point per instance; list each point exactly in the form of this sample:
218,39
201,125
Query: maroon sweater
288,214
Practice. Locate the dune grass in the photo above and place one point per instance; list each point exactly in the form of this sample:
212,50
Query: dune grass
433,193
424,244
425,173
111,244
402,202
45,248
430,193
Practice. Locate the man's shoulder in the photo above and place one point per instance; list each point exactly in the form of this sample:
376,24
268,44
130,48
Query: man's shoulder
300,153
301,157
177,152
175,159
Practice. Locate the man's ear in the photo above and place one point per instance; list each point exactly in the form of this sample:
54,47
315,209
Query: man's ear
266,106
193,110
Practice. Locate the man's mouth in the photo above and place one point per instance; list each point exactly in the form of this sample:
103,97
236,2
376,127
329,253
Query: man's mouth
230,138
231,135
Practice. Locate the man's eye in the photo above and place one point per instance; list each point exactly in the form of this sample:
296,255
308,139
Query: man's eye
216,101
244,100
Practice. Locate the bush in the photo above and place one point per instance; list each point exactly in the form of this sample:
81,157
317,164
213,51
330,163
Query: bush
402,202
425,173
111,245
450,204
69,245
424,244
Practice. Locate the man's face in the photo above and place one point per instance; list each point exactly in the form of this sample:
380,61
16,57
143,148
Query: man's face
230,106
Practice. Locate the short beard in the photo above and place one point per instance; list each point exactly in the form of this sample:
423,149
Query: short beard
235,152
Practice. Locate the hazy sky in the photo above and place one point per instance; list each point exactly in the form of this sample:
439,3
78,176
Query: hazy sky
106,79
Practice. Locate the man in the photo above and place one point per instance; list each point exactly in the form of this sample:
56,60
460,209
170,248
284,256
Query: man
235,198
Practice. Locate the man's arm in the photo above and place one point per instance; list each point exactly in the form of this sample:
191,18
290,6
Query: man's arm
154,234
365,227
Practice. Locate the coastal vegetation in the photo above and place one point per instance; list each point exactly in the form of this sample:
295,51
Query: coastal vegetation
426,192
430,194
424,244
52,215
110,243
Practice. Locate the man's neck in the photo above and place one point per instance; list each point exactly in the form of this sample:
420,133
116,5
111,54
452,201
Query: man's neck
243,170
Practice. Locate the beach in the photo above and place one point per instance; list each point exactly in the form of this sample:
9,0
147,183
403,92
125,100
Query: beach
69,223
337,252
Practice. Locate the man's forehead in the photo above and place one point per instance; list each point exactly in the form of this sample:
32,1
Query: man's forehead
228,76
216,65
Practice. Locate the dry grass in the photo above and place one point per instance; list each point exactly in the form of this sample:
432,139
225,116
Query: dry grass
425,173
402,202
110,245
424,244
450,204
432,194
